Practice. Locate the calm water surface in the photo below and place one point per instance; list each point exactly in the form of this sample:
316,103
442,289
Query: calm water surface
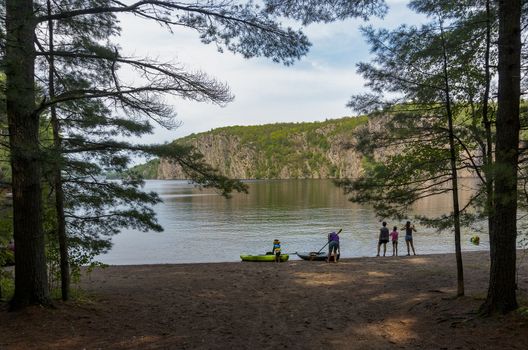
201,226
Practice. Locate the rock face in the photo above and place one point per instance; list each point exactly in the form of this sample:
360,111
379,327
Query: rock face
222,151
278,151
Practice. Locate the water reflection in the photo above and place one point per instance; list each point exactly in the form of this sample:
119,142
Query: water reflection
201,226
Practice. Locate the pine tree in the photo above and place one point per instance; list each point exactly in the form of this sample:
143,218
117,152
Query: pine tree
501,295
434,125
31,279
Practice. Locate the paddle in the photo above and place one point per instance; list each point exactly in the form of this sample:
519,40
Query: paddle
322,248
328,242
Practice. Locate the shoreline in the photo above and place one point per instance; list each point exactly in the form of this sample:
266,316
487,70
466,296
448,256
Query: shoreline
297,259
293,257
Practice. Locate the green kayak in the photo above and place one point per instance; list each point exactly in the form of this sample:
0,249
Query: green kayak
264,257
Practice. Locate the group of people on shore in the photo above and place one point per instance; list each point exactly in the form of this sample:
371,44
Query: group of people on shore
385,236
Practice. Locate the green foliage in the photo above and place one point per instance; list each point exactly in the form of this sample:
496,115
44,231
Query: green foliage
81,259
309,11
415,164
6,229
5,170
7,285
7,257
148,170
6,221
523,311
436,70
300,146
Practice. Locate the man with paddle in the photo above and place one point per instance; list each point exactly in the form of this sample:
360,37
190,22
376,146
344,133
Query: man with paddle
333,245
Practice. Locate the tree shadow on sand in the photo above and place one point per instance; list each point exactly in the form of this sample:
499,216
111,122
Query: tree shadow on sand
367,303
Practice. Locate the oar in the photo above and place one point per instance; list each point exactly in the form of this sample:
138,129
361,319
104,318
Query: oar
328,242
322,248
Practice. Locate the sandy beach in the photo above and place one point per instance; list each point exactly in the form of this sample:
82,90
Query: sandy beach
366,303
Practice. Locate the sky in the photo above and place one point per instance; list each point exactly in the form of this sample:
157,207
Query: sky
314,89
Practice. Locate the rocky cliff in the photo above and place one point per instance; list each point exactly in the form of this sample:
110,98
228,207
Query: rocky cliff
278,151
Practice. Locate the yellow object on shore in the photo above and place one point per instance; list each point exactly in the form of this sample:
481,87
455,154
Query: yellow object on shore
475,240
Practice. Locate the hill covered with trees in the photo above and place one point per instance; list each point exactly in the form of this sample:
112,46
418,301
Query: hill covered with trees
272,151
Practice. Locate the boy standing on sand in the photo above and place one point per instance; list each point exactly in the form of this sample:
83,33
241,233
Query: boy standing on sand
383,238
394,237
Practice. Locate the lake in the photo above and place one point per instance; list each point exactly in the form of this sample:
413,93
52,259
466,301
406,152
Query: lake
201,226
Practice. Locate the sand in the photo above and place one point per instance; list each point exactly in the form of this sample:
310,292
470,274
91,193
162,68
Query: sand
366,303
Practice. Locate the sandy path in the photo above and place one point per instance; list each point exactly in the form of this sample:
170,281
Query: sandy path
367,303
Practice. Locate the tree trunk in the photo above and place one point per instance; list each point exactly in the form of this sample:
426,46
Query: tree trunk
30,271
486,120
454,174
503,238
57,175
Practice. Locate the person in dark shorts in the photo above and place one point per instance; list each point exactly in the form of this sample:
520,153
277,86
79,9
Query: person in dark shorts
277,250
409,236
383,238
333,246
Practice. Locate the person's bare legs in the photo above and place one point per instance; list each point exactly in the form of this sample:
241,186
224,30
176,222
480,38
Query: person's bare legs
384,248
408,252
379,246
396,247
412,246
334,255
